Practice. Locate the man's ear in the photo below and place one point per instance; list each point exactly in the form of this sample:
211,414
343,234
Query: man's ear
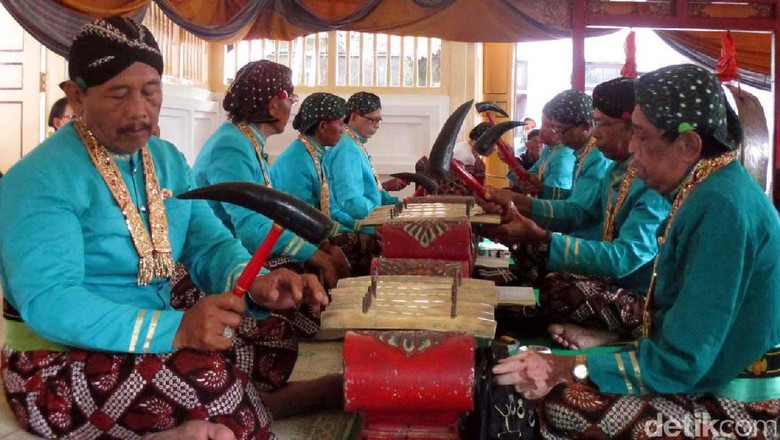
75,96
273,107
692,145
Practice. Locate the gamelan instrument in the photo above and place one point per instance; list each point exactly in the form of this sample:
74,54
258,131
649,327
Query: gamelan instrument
413,302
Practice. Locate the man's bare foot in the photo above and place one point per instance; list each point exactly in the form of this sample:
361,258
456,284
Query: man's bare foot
195,430
575,337
305,397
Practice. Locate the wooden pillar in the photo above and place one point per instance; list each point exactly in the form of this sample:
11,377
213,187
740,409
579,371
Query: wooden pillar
498,59
578,44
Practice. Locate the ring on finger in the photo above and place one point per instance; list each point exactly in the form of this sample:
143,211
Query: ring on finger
228,332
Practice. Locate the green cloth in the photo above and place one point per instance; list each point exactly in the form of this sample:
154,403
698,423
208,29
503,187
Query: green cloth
319,107
570,107
688,97
716,306
615,98
363,103
229,156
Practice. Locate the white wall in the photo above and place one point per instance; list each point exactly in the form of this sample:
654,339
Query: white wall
410,125
188,117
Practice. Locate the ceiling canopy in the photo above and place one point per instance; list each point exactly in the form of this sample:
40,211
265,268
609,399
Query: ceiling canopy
55,22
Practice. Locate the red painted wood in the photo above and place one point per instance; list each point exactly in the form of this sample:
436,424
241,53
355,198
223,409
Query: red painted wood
578,26
688,23
409,384
437,239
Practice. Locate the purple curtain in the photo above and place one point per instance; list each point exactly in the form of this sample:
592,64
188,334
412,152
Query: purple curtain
223,31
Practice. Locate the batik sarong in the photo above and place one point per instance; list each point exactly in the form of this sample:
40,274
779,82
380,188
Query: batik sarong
359,249
591,302
266,349
81,394
579,411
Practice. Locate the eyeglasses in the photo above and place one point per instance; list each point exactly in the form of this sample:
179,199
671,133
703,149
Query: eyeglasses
69,116
560,130
375,121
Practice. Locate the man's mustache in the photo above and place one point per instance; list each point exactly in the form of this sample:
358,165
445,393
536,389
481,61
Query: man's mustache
134,127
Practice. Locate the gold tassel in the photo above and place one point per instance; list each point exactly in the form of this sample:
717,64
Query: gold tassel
145,269
163,265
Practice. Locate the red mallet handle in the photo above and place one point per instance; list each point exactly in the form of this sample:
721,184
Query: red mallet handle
464,175
257,262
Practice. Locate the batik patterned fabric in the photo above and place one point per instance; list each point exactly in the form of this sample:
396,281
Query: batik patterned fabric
319,107
685,97
570,107
266,349
578,410
359,249
592,302
256,84
104,48
89,394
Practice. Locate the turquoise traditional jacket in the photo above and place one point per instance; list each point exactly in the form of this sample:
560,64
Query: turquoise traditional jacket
229,156
294,172
556,164
715,307
628,259
353,185
589,168
67,261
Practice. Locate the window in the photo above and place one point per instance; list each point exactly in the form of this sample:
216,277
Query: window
598,72
359,59
184,54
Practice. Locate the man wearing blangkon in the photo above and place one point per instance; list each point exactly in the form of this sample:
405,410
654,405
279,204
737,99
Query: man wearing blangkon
90,233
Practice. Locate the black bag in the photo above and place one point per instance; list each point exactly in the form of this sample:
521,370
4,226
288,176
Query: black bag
499,413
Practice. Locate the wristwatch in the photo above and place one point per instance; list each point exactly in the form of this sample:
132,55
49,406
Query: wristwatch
539,253
580,371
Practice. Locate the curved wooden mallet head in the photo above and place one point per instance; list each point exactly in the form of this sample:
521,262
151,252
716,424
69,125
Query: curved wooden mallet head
490,106
485,143
287,211
424,181
440,156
